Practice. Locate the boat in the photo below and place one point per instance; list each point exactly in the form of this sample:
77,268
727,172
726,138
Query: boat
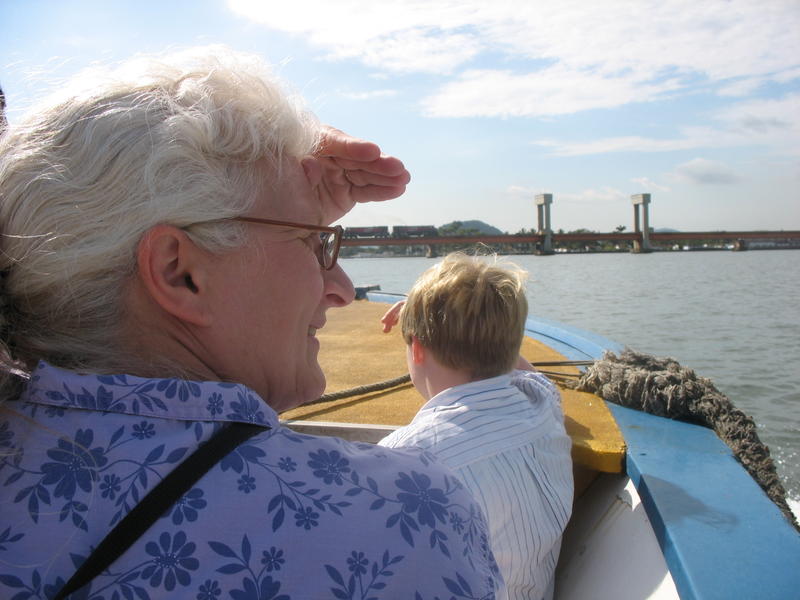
662,507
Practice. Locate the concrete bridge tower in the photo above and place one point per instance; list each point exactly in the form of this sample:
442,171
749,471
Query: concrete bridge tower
642,200
543,202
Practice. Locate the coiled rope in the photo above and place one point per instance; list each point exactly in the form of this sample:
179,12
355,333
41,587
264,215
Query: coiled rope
661,386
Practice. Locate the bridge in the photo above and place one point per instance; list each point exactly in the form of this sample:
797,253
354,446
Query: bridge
539,238
543,241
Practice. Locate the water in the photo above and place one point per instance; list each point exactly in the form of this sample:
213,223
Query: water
733,317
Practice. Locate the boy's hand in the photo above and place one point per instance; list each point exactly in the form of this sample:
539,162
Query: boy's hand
392,316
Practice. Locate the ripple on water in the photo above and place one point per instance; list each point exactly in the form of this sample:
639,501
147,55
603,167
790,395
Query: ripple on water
794,504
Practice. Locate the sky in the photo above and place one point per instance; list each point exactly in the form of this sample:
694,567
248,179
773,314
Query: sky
491,103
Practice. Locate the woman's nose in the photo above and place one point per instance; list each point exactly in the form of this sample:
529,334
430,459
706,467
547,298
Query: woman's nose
339,290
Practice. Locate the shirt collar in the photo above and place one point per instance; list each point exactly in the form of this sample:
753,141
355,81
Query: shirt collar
461,393
162,398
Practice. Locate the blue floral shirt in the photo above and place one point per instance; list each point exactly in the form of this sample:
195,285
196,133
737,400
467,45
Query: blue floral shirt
285,516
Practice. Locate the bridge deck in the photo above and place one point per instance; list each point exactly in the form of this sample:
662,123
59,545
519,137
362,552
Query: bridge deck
630,236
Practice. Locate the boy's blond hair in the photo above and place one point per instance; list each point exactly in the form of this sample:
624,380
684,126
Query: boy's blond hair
470,313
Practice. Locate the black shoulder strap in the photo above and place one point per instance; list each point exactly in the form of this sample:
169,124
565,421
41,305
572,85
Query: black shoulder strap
158,500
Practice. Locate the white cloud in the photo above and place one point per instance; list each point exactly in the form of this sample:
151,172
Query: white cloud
520,192
648,185
742,87
368,95
787,75
705,172
416,51
551,91
771,123
77,41
764,117
604,195
409,36
569,55
623,144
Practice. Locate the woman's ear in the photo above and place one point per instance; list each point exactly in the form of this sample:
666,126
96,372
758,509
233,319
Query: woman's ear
174,272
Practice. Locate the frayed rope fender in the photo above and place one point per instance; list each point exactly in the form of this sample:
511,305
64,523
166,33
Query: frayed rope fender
661,386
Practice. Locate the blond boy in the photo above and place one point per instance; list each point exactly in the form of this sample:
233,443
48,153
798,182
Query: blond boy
500,429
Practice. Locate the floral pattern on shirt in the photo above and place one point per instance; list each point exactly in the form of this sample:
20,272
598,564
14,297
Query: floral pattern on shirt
283,516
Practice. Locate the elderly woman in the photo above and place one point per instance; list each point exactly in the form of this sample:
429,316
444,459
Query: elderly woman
166,263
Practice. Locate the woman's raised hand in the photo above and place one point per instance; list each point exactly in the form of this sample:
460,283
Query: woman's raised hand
355,171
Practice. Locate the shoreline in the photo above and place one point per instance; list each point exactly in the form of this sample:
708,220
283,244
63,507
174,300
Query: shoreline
564,252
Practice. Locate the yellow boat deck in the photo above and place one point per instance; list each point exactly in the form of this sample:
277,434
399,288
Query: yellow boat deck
356,352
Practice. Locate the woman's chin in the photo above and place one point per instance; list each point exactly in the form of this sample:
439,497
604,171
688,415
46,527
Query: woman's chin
313,387
316,390
307,387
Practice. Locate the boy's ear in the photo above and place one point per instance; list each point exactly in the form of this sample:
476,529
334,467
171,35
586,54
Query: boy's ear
174,272
417,351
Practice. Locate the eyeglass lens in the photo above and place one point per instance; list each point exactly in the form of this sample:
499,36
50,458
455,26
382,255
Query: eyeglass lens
327,249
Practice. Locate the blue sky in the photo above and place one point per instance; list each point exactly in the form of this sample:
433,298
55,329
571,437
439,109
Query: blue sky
491,103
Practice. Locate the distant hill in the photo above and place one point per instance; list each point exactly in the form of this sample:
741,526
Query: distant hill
482,227
665,230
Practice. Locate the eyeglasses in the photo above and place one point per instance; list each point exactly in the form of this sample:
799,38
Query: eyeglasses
330,238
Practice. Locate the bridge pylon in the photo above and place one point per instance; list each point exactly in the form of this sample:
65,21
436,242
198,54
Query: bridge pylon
543,203
643,201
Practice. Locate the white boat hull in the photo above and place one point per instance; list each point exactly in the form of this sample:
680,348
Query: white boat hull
609,549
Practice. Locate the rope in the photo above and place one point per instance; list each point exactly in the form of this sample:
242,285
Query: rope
660,386
362,389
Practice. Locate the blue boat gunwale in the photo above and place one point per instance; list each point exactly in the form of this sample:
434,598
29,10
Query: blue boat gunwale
720,534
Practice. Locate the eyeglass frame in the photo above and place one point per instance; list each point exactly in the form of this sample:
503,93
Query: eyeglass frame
337,231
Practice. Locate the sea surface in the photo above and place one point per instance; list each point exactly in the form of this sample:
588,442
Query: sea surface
733,317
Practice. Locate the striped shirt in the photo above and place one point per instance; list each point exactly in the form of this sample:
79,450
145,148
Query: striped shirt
505,438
